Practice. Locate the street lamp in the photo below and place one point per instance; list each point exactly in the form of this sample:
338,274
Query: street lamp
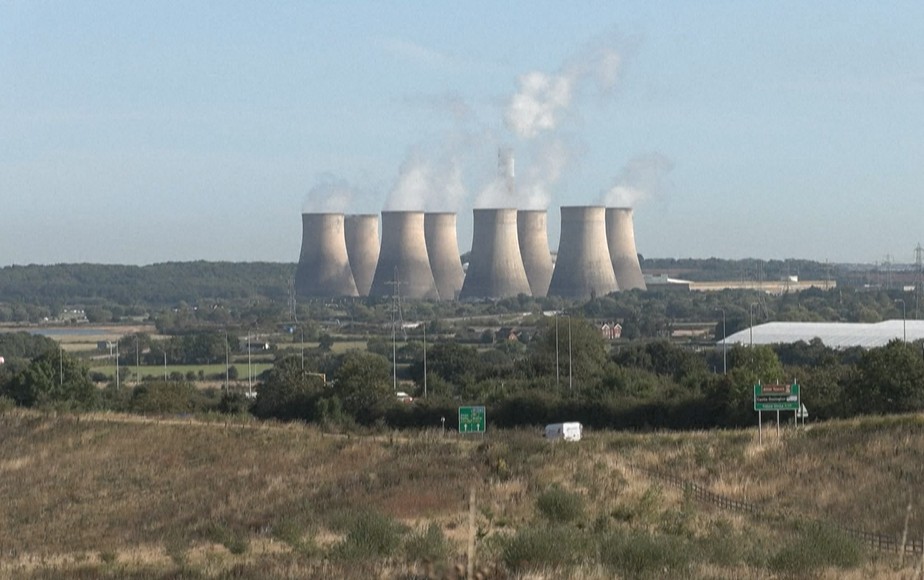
751,325
724,343
904,331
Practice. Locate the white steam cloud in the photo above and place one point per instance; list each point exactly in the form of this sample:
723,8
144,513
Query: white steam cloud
543,99
331,194
428,184
643,177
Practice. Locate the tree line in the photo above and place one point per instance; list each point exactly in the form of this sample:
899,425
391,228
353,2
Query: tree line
565,372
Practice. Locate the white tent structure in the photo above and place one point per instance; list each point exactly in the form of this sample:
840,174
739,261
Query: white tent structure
837,335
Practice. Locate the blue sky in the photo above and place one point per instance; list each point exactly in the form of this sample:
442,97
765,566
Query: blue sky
141,132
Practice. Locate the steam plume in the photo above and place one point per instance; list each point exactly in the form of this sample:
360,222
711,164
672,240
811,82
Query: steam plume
330,194
543,99
643,177
434,185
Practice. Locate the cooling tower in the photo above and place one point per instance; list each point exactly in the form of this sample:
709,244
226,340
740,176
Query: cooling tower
323,267
403,258
443,250
533,236
495,269
583,268
362,246
620,236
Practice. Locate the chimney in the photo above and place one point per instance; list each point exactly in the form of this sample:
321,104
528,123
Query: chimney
620,236
443,250
495,269
533,236
404,266
583,268
362,246
505,169
323,267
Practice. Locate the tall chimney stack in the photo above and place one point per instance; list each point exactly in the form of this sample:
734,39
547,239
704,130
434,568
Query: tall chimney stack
403,268
583,268
505,169
533,236
323,267
362,245
495,269
620,236
443,251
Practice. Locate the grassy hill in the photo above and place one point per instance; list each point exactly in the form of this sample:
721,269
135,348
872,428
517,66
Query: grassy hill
130,497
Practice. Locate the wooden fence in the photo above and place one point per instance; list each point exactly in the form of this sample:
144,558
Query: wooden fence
878,541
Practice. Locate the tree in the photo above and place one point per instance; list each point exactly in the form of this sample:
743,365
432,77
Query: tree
581,349
363,384
165,397
326,342
53,378
289,392
733,394
889,379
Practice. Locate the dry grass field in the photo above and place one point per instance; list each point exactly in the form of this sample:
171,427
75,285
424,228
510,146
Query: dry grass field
120,496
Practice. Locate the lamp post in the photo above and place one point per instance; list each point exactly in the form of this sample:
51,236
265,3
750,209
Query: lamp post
425,358
557,373
751,325
724,343
570,373
904,331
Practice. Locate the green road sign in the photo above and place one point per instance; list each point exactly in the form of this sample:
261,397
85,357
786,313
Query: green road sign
471,420
776,397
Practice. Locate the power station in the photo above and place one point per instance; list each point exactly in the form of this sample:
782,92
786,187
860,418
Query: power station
583,268
495,269
362,246
443,251
533,236
323,266
403,268
418,256
620,236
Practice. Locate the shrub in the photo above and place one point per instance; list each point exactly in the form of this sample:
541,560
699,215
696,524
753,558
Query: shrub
560,506
645,555
428,545
236,543
543,547
164,397
816,546
369,535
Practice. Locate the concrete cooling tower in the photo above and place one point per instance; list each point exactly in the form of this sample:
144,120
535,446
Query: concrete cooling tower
323,267
443,251
620,235
495,269
362,246
533,236
583,268
403,258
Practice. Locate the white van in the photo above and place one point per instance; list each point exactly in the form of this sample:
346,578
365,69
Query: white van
565,431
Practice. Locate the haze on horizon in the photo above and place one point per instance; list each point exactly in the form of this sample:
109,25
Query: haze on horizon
150,132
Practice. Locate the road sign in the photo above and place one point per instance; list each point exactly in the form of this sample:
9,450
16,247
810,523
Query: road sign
776,397
471,420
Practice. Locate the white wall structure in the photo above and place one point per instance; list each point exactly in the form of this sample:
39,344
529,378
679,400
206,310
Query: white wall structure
583,268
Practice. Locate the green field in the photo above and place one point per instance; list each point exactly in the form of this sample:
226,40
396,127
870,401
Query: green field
156,372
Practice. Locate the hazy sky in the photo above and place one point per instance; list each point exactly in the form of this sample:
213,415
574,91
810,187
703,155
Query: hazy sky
141,132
